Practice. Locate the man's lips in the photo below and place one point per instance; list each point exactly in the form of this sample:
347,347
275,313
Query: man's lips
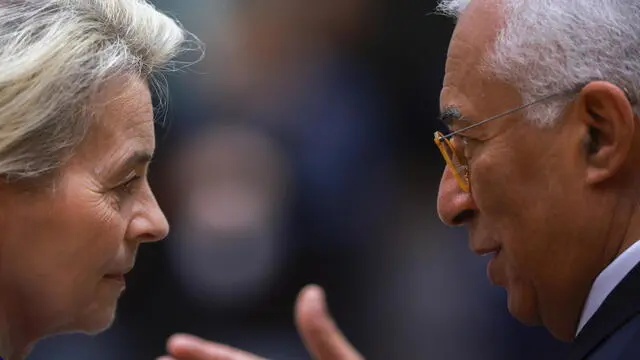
493,251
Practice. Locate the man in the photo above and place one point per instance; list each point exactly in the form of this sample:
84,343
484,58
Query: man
541,97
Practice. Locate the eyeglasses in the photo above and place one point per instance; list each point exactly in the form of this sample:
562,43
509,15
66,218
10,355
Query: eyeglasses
457,162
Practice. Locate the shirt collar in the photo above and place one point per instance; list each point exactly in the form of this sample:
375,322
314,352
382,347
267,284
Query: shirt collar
607,280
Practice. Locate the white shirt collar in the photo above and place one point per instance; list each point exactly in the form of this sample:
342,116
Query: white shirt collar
608,279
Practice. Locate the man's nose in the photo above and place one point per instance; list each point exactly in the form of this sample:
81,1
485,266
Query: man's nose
455,206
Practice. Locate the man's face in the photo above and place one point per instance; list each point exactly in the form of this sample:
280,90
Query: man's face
528,204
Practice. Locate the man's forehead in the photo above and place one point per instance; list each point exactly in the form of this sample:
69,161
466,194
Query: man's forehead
474,34
487,9
471,41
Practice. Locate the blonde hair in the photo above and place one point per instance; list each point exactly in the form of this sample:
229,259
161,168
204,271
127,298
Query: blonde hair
54,56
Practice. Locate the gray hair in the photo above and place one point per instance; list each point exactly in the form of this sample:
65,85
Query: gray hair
551,46
55,55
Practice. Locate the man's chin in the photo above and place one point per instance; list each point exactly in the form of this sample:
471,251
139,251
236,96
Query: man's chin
523,309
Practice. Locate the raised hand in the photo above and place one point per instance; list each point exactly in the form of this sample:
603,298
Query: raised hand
317,328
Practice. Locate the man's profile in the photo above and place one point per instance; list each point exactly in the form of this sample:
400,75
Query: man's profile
541,98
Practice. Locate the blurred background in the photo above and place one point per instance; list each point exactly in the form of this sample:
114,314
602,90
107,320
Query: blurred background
300,150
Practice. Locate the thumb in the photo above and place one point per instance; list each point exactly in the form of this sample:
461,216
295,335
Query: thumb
318,330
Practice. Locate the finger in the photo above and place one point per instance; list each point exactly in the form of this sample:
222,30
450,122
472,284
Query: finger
188,347
319,332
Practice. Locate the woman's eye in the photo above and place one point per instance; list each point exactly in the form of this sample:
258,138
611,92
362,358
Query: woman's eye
129,185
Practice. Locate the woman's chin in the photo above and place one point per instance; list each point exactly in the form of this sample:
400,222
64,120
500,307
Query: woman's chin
93,321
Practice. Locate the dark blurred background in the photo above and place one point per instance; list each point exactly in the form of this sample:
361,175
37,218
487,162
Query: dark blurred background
300,150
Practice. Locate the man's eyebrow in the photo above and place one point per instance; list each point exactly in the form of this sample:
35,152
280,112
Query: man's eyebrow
450,115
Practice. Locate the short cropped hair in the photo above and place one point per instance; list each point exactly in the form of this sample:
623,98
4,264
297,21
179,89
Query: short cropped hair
553,46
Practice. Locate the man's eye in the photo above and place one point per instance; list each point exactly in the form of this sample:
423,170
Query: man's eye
461,143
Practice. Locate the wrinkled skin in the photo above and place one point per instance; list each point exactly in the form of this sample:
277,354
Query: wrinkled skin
557,203
61,246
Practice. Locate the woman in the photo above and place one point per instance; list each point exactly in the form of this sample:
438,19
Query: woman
76,137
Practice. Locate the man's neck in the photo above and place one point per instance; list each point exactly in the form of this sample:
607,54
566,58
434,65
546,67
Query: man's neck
623,231
628,234
607,280
6,350
627,244
10,349
5,343
632,224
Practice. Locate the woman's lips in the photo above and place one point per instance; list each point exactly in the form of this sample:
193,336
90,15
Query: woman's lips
115,277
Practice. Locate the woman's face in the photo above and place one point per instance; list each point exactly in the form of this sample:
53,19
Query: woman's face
63,251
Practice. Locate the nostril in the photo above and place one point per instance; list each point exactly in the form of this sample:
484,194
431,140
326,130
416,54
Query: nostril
463,217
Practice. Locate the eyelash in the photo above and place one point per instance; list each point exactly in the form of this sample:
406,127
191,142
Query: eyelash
464,146
126,187
461,139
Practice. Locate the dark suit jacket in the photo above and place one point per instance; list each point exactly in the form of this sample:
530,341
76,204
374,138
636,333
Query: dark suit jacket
613,333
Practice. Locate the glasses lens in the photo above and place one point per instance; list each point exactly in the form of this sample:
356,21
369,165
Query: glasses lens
457,161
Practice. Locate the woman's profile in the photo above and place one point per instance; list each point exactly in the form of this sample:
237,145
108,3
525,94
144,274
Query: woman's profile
76,138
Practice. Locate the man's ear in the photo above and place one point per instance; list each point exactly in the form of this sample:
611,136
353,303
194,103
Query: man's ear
609,122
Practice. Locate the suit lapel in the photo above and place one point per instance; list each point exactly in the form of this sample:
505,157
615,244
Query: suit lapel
622,304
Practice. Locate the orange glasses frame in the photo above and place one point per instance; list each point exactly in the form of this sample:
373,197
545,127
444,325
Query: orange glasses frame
443,141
